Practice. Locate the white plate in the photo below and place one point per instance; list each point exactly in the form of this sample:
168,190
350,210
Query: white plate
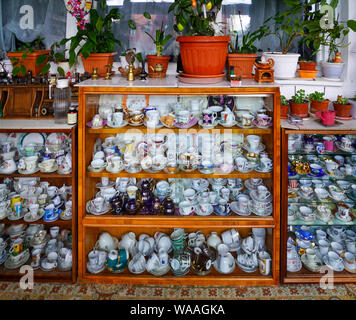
123,124
38,139
159,126
28,217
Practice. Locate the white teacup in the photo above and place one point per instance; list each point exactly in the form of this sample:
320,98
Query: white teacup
190,195
31,163
186,208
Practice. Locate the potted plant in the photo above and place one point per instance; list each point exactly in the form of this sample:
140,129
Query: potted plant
29,58
299,104
95,42
156,60
203,51
307,66
342,108
242,55
284,107
130,56
332,35
318,102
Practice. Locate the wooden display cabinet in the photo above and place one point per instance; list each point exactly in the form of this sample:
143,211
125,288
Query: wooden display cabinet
304,275
90,226
48,127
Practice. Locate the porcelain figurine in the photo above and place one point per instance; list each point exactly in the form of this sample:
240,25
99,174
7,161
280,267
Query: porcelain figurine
156,206
169,208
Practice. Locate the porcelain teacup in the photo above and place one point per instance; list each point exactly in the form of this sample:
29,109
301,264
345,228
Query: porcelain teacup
128,241
331,166
190,195
225,260
307,191
186,208
253,141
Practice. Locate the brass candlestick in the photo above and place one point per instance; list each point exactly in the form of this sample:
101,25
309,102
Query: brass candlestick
108,73
95,75
131,75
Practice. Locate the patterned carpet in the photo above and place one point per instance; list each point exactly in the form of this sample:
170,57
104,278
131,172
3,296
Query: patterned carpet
45,291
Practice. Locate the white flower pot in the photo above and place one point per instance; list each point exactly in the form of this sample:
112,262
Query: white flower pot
285,65
332,70
65,67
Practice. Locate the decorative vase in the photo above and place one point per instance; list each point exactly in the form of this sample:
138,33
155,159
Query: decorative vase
99,61
242,63
299,109
203,56
316,106
342,110
285,65
153,62
30,61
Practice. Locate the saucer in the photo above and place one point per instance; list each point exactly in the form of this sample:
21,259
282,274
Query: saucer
246,268
250,186
25,172
104,210
11,218
267,213
4,257
208,126
45,240
133,124
262,127
64,216
11,265
158,126
39,216
218,270
207,213
91,169
110,184
338,217
53,169
95,270
160,272
300,194
352,149
191,123
123,124
224,124
262,171
260,148
315,268
42,265
90,125
234,208
245,127
338,268
114,171
54,217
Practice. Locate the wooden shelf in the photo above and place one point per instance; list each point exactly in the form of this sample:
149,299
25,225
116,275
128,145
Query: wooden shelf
237,277
59,222
180,175
196,128
179,221
37,175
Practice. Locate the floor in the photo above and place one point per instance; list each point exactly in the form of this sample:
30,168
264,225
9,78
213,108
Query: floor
57,291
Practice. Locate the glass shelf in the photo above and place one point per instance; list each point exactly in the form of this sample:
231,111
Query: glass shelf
324,178
327,153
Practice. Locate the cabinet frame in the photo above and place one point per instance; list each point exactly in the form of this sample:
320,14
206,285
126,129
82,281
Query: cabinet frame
86,222
307,277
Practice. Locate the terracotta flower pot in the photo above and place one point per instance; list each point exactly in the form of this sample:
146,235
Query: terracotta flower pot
299,109
307,74
30,61
342,110
98,60
242,63
152,61
316,106
311,66
203,55
284,111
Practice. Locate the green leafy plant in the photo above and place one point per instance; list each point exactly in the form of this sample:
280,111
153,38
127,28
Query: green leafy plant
284,101
317,96
300,97
248,39
26,50
196,17
333,35
97,35
342,100
131,55
160,40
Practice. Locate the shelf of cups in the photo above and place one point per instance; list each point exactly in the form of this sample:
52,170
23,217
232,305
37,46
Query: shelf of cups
299,177
317,222
59,222
181,175
37,175
306,276
318,202
196,128
234,278
327,153
39,275
179,221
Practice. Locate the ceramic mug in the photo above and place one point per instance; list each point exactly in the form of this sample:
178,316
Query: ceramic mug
264,263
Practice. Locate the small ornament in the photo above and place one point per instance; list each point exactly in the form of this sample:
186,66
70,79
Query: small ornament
337,58
95,75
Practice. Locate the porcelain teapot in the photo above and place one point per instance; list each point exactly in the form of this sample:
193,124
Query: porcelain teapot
107,242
